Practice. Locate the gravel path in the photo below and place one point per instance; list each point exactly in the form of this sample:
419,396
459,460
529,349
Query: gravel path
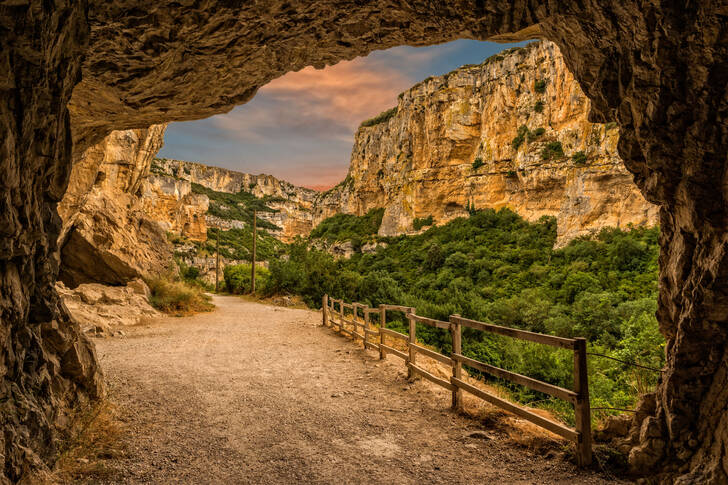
258,394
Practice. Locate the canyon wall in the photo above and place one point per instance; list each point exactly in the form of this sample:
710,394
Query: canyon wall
450,146
293,204
107,237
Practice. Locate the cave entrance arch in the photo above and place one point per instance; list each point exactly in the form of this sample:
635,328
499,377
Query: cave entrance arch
74,71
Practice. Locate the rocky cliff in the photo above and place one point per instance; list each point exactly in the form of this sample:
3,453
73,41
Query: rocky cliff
293,204
107,236
510,132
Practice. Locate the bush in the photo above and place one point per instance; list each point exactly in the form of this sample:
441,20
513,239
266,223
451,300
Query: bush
496,267
532,135
520,137
579,158
477,163
538,107
342,227
380,118
419,223
539,86
237,278
177,297
552,150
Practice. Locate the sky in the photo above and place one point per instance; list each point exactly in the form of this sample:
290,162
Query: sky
300,127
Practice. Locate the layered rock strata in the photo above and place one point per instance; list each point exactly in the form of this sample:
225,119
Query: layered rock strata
108,236
293,204
453,144
656,68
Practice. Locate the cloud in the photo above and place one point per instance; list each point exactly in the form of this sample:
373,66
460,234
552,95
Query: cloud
331,102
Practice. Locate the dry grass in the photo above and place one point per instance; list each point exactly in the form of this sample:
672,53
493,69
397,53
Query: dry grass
97,441
177,297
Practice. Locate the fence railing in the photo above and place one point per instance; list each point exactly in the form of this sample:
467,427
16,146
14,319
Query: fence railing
375,338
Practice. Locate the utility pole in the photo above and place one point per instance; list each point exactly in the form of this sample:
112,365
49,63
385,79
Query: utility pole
252,266
217,263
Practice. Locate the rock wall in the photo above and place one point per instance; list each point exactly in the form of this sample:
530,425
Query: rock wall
294,204
72,72
171,203
107,236
420,162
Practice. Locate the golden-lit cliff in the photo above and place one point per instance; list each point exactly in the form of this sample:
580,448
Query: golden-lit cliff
510,132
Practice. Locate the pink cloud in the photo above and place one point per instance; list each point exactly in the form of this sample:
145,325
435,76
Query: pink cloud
331,101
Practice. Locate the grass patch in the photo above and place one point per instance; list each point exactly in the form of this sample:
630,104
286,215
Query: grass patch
380,118
178,297
95,442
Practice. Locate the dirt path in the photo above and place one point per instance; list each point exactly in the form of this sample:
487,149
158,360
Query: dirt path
259,394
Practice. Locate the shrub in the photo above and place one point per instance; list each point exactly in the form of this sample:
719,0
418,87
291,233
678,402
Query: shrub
539,86
552,150
342,227
177,297
477,163
532,135
538,107
579,158
237,278
419,223
511,173
380,118
520,137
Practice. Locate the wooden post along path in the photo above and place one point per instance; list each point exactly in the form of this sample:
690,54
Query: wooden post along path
252,266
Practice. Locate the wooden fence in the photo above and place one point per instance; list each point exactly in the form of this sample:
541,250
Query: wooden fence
375,338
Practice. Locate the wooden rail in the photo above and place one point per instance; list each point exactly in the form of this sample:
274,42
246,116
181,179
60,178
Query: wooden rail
579,396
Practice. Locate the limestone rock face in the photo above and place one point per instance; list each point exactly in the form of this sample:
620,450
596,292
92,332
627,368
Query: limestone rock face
420,162
294,204
98,309
171,203
72,72
107,236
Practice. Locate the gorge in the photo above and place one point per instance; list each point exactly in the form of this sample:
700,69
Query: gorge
74,72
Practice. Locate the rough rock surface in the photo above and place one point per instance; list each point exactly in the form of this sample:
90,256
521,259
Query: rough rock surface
171,203
419,163
98,309
656,68
293,204
108,236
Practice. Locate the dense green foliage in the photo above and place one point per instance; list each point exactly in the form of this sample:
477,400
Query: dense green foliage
238,278
539,86
496,267
238,244
579,158
420,222
237,207
477,163
342,227
538,107
552,150
520,137
381,117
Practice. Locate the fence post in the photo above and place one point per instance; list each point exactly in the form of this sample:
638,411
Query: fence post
366,327
412,341
382,324
457,367
581,408
324,310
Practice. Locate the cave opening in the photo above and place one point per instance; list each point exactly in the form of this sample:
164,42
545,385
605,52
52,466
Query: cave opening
73,73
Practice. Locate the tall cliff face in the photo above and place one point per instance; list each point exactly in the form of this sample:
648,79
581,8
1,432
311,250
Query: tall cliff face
511,132
107,236
294,204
